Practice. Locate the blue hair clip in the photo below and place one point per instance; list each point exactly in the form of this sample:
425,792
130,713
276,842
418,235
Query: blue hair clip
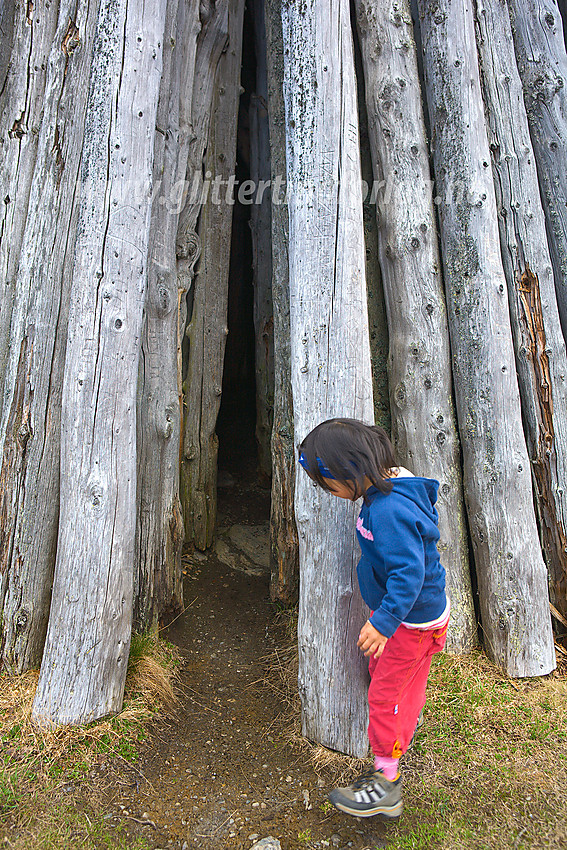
326,473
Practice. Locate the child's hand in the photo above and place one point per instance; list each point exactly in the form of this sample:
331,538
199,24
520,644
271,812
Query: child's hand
371,641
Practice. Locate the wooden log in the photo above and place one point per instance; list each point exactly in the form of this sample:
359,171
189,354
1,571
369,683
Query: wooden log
424,428
377,319
511,574
86,651
541,360
207,328
331,374
542,62
260,226
26,42
284,545
38,179
196,116
159,530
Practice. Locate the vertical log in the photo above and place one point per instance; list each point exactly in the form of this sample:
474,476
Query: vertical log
377,319
511,573
424,428
207,326
542,63
331,374
196,115
260,225
37,233
540,348
284,546
159,531
86,651
31,44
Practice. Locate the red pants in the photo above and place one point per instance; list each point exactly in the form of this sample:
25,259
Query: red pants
398,679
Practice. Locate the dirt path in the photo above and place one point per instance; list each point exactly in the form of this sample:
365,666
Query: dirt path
220,775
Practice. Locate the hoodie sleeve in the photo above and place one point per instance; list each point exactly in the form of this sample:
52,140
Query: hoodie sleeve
402,550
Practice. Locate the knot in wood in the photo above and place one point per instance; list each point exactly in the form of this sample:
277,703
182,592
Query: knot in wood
427,384
95,495
21,620
440,438
400,395
24,433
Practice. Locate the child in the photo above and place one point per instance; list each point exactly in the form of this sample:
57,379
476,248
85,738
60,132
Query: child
403,583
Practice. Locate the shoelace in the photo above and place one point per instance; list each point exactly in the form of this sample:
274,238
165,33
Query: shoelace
367,778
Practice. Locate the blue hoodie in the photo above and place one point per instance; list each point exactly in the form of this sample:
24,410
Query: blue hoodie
400,575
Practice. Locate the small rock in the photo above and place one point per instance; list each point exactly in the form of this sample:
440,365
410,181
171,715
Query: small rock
267,843
253,836
335,839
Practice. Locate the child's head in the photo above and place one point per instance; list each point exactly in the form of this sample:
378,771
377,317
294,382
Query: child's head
350,454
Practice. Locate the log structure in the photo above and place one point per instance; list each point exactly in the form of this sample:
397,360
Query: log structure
539,345
497,476
84,662
118,185
424,428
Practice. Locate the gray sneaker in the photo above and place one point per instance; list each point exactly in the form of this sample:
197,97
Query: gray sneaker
371,794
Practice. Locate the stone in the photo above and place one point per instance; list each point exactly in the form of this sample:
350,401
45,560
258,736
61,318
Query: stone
253,541
236,560
267,843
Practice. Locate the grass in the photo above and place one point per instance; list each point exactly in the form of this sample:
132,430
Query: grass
488,768
47,798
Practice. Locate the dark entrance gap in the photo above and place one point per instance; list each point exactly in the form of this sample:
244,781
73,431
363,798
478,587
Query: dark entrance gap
239,492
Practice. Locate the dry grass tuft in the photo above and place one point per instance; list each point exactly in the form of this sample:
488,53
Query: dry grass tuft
35,754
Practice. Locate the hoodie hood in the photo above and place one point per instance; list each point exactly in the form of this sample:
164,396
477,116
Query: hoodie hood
421,491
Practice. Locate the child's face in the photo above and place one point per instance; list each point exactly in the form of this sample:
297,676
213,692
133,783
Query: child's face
343,491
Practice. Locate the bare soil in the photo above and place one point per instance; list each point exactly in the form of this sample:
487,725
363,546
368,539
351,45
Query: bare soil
219,774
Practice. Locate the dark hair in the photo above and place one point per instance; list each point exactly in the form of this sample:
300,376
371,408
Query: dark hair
350,450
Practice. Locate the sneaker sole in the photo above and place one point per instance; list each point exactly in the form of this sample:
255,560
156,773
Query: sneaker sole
391,812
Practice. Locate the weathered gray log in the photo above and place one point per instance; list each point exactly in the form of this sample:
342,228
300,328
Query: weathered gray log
331,374
377,319
541,360
512,579
284,545
424,428
542,63
27,43
159,531
86,650
196,116
260,226
38,173
207,328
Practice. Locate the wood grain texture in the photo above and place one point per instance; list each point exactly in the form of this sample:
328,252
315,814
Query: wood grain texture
542,62
86,651
511,574
38,181
159,531
540,348
284,545
207,327
261,230
196,117
424,428
330,354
